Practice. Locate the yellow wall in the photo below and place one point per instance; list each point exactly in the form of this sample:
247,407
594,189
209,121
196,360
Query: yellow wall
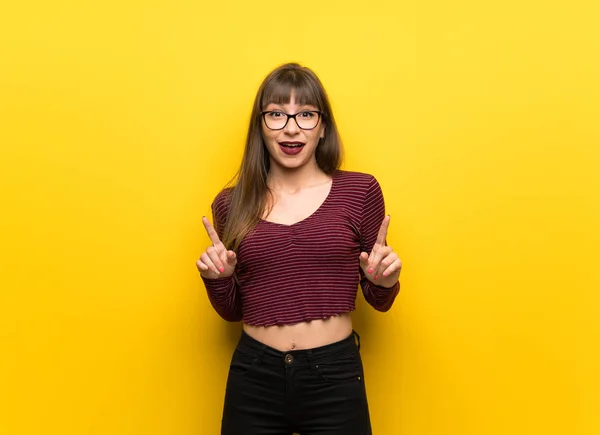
120,122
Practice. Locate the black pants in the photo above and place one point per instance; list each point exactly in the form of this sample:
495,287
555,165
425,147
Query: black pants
318,391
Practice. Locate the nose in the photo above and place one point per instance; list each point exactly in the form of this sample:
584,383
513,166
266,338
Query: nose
292,126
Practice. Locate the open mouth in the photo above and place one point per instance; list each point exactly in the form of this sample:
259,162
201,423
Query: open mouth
291,148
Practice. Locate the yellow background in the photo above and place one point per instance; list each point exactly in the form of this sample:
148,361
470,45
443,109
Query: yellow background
120,121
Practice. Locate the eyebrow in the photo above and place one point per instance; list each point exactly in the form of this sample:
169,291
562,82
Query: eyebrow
301,107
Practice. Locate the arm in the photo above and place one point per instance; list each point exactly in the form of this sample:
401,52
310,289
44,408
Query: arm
223,292
373,213
224,297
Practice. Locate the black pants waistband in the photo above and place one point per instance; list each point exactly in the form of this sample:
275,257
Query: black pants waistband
250,344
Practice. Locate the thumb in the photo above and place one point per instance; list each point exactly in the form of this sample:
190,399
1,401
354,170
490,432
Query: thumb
231,258
364,260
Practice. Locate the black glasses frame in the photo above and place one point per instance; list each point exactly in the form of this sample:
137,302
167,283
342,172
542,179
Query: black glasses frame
291,116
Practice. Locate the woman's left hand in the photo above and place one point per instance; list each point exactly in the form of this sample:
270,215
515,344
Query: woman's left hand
382,266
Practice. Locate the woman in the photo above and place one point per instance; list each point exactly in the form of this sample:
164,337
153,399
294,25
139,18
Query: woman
291,242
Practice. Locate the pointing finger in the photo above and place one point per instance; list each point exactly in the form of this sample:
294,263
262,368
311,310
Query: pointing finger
381,236
214,237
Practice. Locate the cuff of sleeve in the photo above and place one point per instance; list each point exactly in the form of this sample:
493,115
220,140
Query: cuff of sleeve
217,285
385,289
381,298
223,296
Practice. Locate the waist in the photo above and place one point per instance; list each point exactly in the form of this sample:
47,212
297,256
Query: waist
303,335
349,344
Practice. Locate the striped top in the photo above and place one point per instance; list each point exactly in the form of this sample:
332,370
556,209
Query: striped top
309,270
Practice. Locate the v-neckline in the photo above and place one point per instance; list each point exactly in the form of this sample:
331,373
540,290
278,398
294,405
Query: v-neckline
318,209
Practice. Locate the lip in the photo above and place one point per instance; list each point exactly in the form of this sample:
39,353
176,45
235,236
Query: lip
291,148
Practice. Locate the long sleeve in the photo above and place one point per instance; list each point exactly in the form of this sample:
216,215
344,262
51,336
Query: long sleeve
373,213
223,293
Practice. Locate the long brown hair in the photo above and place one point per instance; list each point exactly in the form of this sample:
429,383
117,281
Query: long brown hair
249,194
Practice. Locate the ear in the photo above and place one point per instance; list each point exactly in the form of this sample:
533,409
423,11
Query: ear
322,135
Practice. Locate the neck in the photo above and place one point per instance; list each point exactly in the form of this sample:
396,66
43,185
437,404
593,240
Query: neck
293,179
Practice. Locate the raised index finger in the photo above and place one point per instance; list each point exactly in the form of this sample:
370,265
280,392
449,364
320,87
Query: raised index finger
381,236
214,237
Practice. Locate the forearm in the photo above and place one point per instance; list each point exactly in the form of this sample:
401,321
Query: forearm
224,296
381,297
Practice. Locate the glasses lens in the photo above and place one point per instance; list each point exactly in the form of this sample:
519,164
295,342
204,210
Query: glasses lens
275,119
307,120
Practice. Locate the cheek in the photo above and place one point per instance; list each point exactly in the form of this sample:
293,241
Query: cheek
267,136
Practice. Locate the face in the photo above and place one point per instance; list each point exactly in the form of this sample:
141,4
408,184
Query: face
292,147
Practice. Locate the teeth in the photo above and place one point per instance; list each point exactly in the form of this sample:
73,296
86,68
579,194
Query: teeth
292,145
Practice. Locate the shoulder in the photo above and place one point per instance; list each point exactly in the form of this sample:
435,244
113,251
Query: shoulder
220,205
362,190
356,180
223,197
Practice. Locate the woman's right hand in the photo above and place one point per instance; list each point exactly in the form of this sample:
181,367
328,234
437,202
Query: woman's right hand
216,261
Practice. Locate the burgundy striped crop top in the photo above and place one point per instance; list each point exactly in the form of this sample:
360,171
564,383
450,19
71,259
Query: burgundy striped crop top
309,270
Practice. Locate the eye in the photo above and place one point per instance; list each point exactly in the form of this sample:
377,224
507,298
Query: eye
307,115
275,114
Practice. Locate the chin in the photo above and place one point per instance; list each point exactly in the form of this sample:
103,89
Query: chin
290,165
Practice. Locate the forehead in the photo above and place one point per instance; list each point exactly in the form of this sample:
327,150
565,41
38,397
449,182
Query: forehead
287,94
291,102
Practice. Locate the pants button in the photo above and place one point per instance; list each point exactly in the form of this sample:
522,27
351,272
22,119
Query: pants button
289,359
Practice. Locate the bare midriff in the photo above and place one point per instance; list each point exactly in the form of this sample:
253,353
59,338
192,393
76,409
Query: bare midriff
305,335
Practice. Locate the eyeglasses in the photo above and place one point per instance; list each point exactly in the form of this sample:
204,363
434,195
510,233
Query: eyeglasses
277,120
